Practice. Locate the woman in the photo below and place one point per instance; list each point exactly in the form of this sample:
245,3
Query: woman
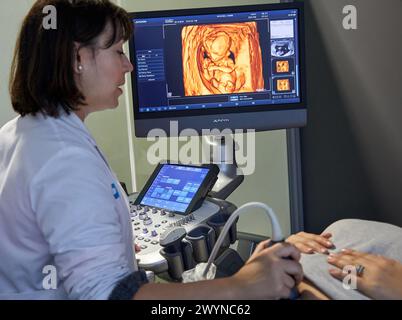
58,201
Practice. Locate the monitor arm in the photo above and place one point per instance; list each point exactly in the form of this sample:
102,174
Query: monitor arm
221,150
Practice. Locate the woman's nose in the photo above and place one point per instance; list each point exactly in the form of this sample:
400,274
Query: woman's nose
128,65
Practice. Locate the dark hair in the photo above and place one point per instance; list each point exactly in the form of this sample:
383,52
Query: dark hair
42,71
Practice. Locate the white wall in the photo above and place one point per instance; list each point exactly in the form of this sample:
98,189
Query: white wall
11,16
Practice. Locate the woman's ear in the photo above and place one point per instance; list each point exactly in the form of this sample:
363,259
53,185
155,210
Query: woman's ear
78,67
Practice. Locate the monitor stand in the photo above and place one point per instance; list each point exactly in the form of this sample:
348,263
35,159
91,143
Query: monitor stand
223,155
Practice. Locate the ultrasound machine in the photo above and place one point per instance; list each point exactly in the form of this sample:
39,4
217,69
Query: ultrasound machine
237,68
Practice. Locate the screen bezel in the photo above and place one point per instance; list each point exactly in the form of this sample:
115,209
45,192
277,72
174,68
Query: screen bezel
206,185
226,110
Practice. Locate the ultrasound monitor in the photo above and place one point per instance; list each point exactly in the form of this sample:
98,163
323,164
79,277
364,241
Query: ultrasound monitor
230,67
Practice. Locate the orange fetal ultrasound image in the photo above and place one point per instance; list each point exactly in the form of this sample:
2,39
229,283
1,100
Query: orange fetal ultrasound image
282,66
221,59
283,85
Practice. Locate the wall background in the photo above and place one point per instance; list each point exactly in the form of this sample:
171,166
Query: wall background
351,149
11,16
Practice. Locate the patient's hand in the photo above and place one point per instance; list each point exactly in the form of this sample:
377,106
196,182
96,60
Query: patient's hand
308,291
310,243
381,278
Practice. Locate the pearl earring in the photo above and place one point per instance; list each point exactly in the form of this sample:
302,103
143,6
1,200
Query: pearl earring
80,68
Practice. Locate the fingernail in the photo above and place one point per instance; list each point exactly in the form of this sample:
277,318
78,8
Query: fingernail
310,250
324,250
333,271
329,243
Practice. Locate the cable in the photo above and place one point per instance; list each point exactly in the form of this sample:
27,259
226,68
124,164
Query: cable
277,235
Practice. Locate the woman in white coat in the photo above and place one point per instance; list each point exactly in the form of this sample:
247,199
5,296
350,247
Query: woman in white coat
61,206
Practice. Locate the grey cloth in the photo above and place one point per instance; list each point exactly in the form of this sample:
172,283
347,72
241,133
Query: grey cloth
366,236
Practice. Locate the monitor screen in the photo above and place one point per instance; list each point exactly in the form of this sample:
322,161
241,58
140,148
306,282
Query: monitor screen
174,187
204,67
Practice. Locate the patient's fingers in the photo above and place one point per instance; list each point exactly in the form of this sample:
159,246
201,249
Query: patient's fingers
360,255
361,284
310,243
323,241
340,275
340,260
337,274
316,246
304,248
355,256
344,259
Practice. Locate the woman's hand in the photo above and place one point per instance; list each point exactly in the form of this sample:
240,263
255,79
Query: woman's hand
380,279
137,248
270,273
310,243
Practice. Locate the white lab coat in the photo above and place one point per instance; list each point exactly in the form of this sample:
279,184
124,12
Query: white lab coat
61,206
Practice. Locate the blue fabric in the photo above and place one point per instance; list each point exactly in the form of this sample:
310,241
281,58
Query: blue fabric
128,287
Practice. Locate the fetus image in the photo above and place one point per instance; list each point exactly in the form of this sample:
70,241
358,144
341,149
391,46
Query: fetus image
284,48
282,66
221,59
283,85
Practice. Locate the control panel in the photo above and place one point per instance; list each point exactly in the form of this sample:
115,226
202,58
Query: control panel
150,223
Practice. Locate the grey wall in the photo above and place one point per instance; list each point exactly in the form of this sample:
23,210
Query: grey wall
351,148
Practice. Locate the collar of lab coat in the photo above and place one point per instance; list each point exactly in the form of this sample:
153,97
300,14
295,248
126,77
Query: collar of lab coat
77,123
73,120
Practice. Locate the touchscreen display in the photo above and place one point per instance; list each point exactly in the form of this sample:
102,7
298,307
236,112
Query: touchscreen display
174,187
